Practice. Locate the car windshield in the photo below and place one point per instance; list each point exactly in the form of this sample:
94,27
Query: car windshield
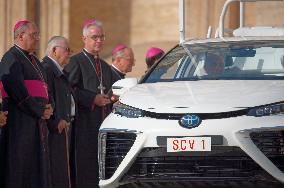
239,60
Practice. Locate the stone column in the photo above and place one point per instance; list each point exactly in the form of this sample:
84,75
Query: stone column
10,12
51,16
3,36
54,20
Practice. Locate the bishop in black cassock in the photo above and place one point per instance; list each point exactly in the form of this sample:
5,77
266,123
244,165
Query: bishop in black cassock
26,98
2,155
26,104
91,79
3,118
86,84
122,61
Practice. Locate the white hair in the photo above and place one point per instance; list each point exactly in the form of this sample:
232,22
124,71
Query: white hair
88,26
53,42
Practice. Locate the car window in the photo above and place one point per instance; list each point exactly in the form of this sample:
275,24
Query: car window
223,60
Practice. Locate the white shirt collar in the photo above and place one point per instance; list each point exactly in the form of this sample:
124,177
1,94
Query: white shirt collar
56,64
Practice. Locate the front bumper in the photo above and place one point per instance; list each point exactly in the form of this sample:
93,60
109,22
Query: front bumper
250,150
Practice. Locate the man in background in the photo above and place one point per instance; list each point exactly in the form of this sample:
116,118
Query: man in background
57,56
122,61
152,56
214,64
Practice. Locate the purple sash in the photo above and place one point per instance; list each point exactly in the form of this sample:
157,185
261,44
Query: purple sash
36,88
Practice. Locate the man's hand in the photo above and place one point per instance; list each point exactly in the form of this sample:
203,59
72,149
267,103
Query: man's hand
62,125
3,118
114,98
47,112
102,100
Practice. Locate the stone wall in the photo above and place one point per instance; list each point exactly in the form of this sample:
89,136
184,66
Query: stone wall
114,15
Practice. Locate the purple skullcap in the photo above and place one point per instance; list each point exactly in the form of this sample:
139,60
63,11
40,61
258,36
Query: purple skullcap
153,52
20,24
89,22
118,48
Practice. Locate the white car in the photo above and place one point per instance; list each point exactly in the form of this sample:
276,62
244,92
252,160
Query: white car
211,112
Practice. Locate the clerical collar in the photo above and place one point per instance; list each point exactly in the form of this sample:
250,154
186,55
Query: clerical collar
89,53
56,64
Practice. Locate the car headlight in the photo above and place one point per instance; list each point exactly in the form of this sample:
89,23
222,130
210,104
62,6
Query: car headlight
267,110
127,111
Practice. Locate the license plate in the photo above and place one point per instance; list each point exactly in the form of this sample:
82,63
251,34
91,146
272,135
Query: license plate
189,144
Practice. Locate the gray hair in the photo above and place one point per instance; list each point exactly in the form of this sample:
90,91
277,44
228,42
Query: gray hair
53,42
120,53
94,24
22,29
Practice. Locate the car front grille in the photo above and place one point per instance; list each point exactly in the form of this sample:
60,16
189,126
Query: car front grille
223,163
271,143
202,184
113,148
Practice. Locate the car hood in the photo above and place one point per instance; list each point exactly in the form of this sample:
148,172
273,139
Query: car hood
205,96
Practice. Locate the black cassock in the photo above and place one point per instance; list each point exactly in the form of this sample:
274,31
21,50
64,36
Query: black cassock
116,74
61,92
25,98
2,156
85,82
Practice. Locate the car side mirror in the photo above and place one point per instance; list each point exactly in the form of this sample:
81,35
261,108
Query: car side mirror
121,86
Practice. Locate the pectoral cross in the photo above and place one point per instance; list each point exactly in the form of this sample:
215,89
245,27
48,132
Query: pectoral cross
101,88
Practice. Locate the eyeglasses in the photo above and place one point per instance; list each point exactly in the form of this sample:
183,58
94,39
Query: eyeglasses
97,37
67,49
129,59
34,35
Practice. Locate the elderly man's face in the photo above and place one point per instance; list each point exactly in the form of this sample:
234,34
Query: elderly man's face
95,39
62,52
127,61
31,38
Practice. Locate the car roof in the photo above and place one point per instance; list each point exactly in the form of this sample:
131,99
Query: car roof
233,39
